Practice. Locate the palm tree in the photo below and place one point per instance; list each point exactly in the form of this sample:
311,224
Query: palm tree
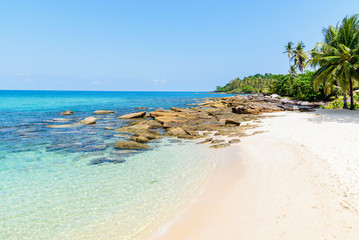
292,71
338,57
289,50
299,56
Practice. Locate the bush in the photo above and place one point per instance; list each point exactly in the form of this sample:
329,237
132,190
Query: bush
299,87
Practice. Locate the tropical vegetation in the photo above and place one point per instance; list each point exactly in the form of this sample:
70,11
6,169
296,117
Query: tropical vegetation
338,58
336,64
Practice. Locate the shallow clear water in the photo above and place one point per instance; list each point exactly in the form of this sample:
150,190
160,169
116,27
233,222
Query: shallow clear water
72,184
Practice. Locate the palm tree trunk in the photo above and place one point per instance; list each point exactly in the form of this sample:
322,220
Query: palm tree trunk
345,101
351,94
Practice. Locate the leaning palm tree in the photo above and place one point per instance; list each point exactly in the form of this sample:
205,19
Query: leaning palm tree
338,57
289,51
299,56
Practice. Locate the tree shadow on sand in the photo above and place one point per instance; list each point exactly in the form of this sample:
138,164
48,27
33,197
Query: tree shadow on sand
335,115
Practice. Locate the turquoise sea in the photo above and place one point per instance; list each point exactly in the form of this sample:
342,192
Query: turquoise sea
71,183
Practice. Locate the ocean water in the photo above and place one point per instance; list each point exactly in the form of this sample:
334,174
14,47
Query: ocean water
70,183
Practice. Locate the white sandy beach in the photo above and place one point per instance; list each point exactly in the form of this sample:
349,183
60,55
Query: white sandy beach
297,180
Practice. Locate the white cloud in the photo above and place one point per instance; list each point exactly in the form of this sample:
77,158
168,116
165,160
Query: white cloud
163,81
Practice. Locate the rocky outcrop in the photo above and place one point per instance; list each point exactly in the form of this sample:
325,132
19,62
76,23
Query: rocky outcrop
133,115
108,128
88,121
103,112
131,145
67,113
154,124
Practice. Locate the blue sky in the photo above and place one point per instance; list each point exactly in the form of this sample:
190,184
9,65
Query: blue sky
153,45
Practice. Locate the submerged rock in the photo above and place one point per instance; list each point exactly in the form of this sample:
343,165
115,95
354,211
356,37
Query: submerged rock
88,121
61,126
103,112
206,140
133,115
105,160
217,141
67,113
131,145
109,128
222,145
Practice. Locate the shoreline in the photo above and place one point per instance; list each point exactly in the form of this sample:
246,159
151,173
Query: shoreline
270,186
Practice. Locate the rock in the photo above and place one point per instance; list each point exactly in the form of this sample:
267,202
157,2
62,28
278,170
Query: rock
222,145
176,131
140,139
217,141
141,108
67,113
138,122
154,124
103,112
232,122
131,145
235,140
275,96
206,140
187,137
89,120
133,115
61,126
237,135
192,133
133,128
206,133
306,104
109,128
147,134
245,110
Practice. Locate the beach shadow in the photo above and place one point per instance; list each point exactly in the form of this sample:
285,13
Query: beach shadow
335,115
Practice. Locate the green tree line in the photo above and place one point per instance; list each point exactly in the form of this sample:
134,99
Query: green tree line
336,64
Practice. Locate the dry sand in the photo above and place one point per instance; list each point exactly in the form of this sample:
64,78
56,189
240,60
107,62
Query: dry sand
297,180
